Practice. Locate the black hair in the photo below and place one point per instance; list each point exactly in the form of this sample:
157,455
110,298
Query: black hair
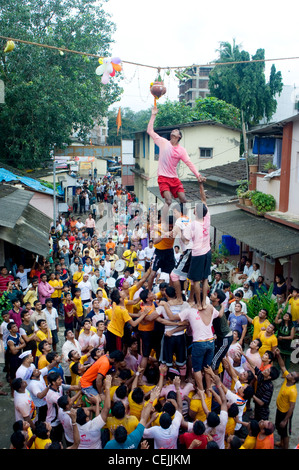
235,443
52,377
201,210
169,408
233,410
250,376
75,368
18,425
42,344
16,384
121,392
51,355
254,427
165,420
41,430
55,445
70,354
93,353
226,285
63,401
274,373
10,325
17,440
81,416
117,355
170,291
138,395
118,410
115,296
163,285
120,434
144,294
125,374
270,355
213,419
152,375
171,395
259,342
199,428
248,392
269,431
212,445
220,295
239,293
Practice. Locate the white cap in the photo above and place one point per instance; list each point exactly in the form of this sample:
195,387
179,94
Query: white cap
25,354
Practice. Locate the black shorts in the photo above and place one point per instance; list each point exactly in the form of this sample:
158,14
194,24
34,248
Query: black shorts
183,265
200,267
174,345
283,432
147,342
164,260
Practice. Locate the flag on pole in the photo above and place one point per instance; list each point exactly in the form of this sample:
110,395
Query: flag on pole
118,120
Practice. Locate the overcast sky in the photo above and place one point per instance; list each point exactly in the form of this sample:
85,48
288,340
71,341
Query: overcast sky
170,33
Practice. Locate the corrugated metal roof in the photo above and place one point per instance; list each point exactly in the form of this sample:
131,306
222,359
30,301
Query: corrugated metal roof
22,224
272,239
13,202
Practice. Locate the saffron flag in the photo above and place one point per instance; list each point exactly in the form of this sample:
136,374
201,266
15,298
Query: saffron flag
118,120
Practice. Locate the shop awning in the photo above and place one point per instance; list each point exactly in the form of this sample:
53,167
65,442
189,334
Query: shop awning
270,238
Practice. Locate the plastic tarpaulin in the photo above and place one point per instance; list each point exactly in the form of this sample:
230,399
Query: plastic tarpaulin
6,175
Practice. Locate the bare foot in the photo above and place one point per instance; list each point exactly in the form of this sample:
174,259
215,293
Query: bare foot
204,307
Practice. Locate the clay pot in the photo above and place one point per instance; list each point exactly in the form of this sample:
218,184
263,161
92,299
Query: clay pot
158,89
248,202
253,168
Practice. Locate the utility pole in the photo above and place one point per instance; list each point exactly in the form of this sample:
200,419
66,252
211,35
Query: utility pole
54,192
245,146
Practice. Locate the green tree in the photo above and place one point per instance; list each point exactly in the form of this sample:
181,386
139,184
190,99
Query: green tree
174,113
131,123
244,85
48,95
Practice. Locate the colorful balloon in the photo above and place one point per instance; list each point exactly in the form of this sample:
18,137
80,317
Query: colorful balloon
108,68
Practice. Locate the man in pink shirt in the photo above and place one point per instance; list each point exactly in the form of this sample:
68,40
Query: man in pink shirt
171,152
90,225
44,290
198,231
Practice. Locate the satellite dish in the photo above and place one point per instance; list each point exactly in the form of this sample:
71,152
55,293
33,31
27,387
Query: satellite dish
120,265
111,282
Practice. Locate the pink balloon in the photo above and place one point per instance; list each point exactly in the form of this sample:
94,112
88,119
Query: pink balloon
115,60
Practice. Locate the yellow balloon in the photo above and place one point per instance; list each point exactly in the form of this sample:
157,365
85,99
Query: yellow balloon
101,61
10,45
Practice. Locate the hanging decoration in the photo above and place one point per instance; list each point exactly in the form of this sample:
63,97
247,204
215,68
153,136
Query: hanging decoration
108,67
157,88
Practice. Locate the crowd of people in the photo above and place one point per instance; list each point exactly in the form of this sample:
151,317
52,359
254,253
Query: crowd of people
125,336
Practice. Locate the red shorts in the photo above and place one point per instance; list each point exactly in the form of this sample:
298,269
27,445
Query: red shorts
174,185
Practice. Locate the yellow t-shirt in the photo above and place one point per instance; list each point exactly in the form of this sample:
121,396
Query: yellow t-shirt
196,407
286,395
268,342
230,429
257,326
78,277
57,293
79,306
129,422
132,291
75,379
139,268
294,303
130,255
120,316
108,312
105,296
41,443
147,325
249,443
42,336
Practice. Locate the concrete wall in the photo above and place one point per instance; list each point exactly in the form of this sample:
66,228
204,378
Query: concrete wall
43,203
269,187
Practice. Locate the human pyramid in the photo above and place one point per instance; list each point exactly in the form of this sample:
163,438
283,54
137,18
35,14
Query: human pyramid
155,356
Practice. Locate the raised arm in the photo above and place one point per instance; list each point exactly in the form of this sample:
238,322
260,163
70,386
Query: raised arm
150,126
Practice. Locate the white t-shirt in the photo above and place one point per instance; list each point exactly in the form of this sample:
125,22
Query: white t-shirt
234,398
90,434
165,438
149,252
232,307
23,277
200,331
176,309
85,290
4,332
51,317
66,422
24,405
35,387
52,412
25,373
220,434
182,222
66,348
97,342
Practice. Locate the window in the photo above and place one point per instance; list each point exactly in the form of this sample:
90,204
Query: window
205,152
